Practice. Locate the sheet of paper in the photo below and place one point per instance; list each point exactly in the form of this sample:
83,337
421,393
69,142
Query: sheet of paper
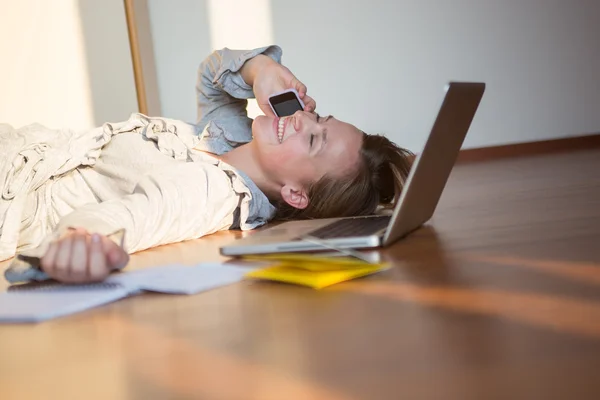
180,279
31,306
33,303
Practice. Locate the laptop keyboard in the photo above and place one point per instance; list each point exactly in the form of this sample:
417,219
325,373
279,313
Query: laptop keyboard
352,227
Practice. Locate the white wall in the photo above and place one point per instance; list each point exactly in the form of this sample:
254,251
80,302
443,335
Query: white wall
65,63
180,32
186,31
382,64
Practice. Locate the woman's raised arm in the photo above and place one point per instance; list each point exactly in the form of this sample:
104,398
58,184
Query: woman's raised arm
221,90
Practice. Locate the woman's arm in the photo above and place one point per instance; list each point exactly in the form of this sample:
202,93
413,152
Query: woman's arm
268,77
221,90
228,77
180,202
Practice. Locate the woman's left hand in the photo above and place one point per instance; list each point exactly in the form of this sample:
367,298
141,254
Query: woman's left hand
79,257
268,77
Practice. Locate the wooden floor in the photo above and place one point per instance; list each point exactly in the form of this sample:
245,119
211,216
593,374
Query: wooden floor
498,297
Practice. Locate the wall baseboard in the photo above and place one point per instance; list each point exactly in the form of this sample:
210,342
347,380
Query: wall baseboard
529,148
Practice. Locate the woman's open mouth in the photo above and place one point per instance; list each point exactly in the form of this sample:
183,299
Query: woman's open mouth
281,128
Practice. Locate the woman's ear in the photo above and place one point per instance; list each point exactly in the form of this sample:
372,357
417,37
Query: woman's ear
295,196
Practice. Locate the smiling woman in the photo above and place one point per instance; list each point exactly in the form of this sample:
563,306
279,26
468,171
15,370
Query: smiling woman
163,181
314,167
309,149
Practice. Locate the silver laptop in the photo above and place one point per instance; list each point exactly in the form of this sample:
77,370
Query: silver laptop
422,191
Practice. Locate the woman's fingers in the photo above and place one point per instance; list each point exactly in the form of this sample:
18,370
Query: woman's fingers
98,268
116,256
62,263
300,88
78,270
79,257
47,261
309,103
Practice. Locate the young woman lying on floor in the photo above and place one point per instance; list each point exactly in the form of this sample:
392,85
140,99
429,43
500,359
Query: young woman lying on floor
65,195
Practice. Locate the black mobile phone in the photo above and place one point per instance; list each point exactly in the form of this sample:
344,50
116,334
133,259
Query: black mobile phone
286,103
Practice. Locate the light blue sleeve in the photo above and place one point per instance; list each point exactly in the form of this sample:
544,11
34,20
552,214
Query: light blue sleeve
221,92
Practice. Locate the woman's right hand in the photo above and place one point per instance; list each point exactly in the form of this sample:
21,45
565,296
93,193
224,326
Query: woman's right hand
268,77
79,257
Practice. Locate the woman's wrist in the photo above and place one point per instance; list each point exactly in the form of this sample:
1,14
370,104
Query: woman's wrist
251,68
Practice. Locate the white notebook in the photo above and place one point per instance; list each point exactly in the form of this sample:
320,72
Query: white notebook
39,302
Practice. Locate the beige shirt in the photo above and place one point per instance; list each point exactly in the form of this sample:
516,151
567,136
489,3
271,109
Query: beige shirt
146,177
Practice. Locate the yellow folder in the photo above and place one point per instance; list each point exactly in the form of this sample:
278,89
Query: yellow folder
309,270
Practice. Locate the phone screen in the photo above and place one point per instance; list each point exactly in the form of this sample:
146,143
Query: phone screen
285,104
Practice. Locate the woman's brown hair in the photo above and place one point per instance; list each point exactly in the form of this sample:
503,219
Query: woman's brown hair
379,179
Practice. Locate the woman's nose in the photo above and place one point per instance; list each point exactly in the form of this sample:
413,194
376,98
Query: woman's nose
303,122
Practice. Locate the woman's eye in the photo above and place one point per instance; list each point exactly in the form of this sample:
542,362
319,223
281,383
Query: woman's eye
312,138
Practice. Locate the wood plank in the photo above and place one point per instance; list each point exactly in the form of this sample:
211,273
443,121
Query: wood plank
530,148
497,297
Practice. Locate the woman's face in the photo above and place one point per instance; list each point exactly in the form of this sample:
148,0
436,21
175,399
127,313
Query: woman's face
302,148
